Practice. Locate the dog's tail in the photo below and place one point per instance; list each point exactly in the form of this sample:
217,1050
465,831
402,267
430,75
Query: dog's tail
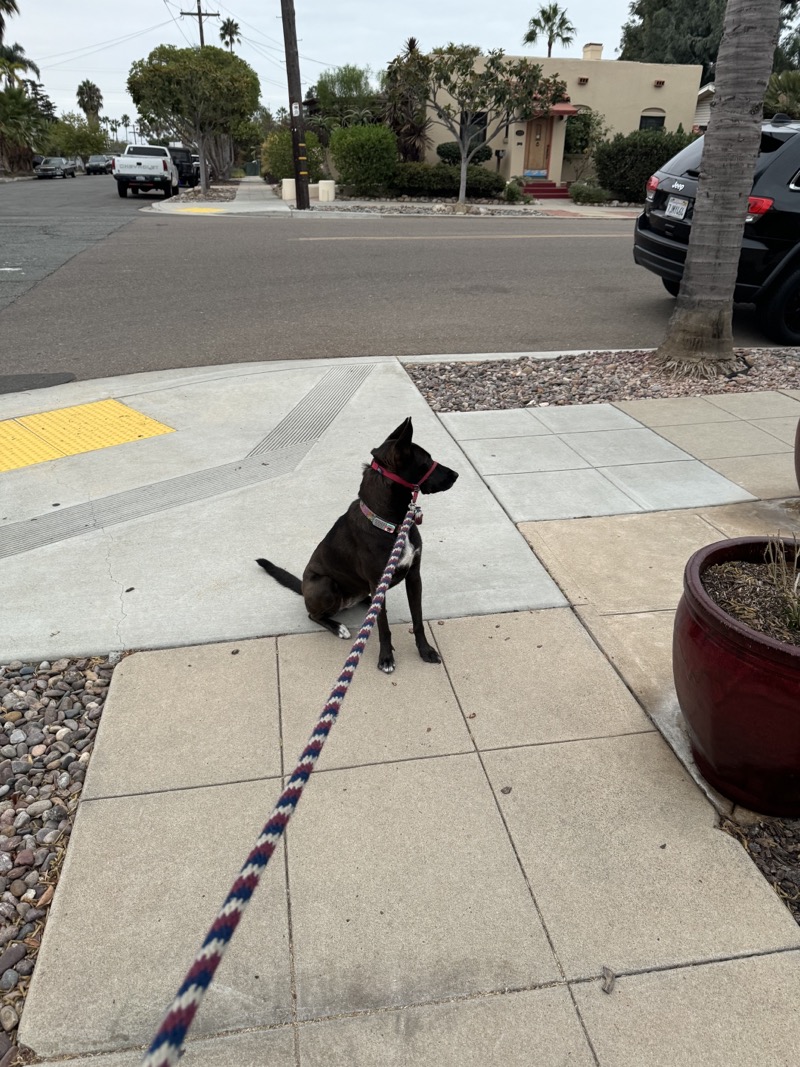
282,576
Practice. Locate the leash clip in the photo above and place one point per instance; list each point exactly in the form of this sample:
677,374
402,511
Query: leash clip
418,516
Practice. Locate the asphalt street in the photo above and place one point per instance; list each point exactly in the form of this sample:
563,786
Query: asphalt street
107,288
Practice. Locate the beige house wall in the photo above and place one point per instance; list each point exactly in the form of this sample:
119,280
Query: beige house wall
620,91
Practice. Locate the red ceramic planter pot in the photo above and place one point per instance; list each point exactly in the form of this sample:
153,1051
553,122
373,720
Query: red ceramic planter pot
739,692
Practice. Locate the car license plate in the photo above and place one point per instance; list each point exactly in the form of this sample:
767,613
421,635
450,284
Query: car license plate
676,207
140,178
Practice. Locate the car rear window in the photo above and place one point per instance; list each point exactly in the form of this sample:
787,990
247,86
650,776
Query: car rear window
147,150
687,162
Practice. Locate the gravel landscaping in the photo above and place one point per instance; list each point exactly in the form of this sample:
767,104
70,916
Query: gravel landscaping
49,715
216,193
589,378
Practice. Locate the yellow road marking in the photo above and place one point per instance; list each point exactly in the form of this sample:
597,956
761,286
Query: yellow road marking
470,237
199,211
70,431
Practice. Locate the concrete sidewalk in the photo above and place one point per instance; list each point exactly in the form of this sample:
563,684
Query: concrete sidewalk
481,838
255,197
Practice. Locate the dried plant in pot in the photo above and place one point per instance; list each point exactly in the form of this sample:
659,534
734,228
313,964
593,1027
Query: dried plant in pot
736,665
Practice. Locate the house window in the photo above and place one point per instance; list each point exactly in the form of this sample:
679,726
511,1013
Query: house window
476,128
652,118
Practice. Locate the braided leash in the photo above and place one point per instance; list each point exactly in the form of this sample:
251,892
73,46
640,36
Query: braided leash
167,1046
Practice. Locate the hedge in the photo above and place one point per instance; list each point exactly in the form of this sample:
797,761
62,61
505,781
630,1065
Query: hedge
424,179
277,157
365,156
624,163
450,152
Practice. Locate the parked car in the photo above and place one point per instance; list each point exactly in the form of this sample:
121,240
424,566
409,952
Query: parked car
769,265
55,167
196,165
182,158
144,167
98,165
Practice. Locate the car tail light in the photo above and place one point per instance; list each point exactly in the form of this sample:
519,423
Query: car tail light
758,206
164,163
652,184
113,161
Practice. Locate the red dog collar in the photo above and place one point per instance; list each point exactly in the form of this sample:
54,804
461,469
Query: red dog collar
401,481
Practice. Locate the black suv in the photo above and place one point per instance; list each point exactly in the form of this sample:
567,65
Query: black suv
769,265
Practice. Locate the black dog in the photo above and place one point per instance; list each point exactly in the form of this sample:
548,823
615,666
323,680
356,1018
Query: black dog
347,565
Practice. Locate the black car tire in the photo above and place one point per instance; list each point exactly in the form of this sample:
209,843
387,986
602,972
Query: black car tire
122,189
779,313
167,191
134,191
672,287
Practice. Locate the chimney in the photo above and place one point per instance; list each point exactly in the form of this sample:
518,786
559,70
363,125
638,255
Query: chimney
592,51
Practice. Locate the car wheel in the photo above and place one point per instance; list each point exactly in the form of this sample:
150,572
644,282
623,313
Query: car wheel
167,191
779,313
672,287
122,189
134,191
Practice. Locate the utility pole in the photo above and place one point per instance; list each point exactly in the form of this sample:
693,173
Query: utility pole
200,15
295,105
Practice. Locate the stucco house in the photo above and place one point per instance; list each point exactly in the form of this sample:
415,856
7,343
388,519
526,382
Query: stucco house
632,96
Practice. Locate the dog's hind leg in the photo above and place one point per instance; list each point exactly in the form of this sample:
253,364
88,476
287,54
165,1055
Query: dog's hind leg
322,599
414,592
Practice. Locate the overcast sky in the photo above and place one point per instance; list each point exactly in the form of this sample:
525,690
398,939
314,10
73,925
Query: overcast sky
97,39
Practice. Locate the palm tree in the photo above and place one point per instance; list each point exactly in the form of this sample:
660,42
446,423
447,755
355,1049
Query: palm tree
404,108
20,126
229,33
699,340
125,122
90,101
14,62
7,7
552,23
783,94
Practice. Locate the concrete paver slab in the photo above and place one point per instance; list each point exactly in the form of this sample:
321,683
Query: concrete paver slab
606,448
763,476
718,440
620,564
414,893
210,715
559,495
520,455
532,678
685,484
410,714
759,518
764,405
785,428
624,859
473,425
273,1047
674,411
514,1030
737,1013
143,879
583,418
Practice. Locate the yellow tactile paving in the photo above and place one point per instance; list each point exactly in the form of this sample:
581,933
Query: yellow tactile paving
69,431
21,448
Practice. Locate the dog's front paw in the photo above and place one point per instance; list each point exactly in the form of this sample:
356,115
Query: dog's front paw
343,632
386,664
428,654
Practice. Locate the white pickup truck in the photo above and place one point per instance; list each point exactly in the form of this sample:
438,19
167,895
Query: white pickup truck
145,166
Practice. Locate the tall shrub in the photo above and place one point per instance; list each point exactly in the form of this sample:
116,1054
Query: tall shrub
450,152
624,163
365,156
277,158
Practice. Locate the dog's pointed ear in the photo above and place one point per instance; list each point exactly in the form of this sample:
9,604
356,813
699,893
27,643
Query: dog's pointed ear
403,434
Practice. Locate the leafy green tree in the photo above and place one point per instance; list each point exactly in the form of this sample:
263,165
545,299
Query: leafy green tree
345,94
783,95
365,156
74,136
230,33
550,22
195,95
90,100
14,63
584,134
405,103
473,95
699,339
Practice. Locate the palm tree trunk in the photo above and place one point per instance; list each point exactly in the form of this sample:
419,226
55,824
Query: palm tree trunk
699,338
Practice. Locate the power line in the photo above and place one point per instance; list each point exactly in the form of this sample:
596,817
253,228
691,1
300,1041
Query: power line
90,50
201,16
167,5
